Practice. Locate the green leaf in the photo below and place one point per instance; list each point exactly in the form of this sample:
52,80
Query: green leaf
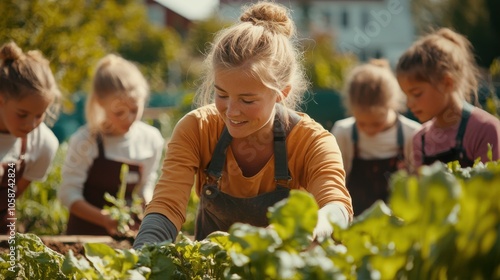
295,218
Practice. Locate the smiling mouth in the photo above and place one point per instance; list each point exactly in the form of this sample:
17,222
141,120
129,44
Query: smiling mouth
235,122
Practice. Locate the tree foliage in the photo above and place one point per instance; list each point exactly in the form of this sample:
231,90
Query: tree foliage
476,19
75,34
326,67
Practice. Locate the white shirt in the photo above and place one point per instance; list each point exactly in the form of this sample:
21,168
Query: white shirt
142,145
41,148
380,146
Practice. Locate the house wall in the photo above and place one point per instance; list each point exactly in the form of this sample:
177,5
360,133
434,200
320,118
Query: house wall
368,28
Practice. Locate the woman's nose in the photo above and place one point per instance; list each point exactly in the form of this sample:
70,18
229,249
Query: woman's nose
232,108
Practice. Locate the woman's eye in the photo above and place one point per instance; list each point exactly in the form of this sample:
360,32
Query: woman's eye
119,113
248,101
22,116
221,96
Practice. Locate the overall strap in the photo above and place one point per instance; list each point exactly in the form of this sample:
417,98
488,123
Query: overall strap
281,173
355,138
423,144
219,155
216,165
100,146
280,155
466,112
400,138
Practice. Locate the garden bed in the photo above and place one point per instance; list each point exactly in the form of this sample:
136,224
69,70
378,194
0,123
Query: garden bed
63,243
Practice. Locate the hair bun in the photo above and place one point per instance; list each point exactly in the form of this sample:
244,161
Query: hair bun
10,52
380,62
274,17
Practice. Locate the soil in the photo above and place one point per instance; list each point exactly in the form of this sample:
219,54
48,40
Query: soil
63,244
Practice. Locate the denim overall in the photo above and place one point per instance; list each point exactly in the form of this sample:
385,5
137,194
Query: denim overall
103,176
218,211
457,152
368,180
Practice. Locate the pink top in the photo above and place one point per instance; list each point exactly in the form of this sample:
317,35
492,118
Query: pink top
482,128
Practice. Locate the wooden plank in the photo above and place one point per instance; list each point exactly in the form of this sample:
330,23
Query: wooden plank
71,238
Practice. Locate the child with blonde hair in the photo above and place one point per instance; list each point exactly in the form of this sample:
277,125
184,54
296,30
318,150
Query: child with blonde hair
377,140
28,93
438,74
113,135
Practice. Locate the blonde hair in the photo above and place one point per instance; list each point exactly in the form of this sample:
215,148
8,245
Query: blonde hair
261,43
373,85
114,76
24,74
443,52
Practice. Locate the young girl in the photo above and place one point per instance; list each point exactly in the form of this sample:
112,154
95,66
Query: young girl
376,140
27,145
438,73
113,136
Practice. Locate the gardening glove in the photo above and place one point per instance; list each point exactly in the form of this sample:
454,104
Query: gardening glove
328,214
155,228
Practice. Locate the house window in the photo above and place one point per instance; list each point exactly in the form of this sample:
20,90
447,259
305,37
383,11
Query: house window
345,18
327,18
156,14
365,18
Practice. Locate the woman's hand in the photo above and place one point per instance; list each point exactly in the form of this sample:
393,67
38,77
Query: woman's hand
328,214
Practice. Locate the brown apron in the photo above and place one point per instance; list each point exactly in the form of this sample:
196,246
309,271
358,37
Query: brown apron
103,176
457,152
217,211
7,184
368,180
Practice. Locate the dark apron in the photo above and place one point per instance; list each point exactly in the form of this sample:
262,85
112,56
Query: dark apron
103,176
4,187
217,211
457,152
368,180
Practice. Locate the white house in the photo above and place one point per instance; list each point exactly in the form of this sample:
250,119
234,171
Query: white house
368,28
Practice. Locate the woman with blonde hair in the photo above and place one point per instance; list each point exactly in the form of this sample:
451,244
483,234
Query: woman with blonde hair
245,143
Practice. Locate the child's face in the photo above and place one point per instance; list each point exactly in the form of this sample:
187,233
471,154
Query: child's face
245,104
20,117
373,120
423,99
121,113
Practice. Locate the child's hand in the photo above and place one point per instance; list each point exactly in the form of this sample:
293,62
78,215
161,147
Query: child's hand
111,225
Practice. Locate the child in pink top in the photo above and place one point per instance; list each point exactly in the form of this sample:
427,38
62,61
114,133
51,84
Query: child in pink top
438,74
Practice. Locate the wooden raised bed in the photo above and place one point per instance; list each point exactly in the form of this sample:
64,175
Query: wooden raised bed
64,243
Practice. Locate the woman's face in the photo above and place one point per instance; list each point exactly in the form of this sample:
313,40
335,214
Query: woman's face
244,102
20,117
121,113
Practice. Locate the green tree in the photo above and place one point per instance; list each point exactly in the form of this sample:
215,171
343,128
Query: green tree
75,34
325,67
475,19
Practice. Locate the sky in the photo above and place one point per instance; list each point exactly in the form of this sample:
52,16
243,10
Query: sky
191,9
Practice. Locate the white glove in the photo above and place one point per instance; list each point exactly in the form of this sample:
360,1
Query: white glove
328,214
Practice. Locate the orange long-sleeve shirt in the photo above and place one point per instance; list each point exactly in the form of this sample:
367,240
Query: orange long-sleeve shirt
314,161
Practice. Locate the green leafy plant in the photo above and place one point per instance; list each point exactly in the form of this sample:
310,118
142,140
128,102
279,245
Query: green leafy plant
437,224
39,211
120,209
34,260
